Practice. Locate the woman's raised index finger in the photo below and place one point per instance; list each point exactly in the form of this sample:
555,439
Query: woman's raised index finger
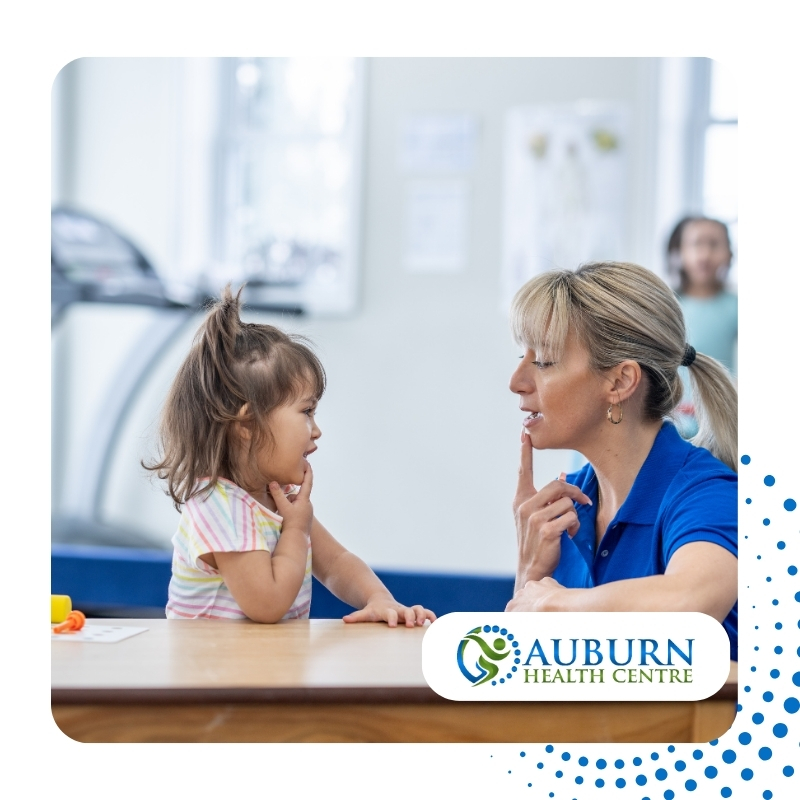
525,482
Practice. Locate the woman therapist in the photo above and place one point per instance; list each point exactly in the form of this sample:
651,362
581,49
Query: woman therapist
650,523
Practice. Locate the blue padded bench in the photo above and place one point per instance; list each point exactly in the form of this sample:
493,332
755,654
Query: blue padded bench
122,581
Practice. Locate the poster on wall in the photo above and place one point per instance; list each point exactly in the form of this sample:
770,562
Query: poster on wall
436,226
564,188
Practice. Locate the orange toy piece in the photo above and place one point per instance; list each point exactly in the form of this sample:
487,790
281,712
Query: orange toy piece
73,622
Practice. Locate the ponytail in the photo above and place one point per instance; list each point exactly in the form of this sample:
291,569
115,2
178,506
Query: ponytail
716,409
216,341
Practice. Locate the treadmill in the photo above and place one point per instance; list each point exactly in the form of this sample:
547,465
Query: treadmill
93,263
108,570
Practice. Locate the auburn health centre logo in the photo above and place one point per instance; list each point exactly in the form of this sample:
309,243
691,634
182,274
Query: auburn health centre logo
575,656
490,651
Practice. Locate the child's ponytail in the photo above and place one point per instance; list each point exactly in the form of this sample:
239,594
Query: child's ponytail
231,365
217,340
221,328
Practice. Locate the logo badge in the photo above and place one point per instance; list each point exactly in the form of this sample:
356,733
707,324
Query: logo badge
491,651
598,655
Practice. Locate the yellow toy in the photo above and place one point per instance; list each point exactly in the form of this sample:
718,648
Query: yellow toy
60,606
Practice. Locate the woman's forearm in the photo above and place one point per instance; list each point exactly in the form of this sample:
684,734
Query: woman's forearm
654,593
700,576
527,571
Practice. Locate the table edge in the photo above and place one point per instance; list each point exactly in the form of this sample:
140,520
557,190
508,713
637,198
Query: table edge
406,695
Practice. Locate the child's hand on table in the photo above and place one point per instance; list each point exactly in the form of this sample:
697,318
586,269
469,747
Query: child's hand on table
384,608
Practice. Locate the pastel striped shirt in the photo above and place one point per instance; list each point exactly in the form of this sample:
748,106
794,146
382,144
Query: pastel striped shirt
228,520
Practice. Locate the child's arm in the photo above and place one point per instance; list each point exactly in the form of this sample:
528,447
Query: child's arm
265,585
353,582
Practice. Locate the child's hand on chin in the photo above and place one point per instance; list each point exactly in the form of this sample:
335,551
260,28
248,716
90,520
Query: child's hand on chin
296,511
384,608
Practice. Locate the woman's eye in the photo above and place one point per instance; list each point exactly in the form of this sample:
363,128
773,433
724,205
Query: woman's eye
310,412
540,364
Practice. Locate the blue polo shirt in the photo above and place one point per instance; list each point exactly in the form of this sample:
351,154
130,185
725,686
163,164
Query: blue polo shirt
682,494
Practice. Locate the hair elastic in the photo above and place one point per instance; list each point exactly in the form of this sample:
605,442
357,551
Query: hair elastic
689,355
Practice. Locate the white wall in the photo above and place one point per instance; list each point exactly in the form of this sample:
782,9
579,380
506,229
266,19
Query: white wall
140,138
417,463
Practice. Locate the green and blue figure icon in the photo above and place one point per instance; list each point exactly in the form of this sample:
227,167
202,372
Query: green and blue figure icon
484,648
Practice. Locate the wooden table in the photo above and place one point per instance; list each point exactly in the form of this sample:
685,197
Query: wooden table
320,681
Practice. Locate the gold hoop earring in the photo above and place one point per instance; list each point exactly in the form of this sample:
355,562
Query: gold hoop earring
610,418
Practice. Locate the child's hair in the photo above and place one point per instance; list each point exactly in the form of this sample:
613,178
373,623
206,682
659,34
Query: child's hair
622,311
675,268
231,363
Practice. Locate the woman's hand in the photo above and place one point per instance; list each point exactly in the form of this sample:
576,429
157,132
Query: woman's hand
541,517
700,576
297,511
536,596
384,608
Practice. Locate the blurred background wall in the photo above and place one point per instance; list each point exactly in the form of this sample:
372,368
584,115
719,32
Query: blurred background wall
417,463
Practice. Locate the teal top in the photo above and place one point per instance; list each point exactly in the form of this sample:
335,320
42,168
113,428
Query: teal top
712,326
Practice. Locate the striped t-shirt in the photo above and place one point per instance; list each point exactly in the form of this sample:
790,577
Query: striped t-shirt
228,520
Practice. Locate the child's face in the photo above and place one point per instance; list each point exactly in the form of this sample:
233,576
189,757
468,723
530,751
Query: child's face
294,434
704,252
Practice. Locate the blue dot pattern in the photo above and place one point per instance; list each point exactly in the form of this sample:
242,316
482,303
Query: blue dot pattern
755,758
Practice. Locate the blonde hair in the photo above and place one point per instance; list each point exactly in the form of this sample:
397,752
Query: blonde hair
231,364
619,312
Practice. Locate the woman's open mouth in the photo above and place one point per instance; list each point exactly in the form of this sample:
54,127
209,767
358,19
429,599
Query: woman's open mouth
532,418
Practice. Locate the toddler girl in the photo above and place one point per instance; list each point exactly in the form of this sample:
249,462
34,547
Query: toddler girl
236,432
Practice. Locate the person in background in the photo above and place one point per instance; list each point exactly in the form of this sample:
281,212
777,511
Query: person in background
698,259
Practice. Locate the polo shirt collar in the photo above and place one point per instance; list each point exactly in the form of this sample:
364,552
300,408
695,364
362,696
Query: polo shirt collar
667,455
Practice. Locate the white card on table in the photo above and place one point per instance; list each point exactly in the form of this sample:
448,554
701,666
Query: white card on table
104,634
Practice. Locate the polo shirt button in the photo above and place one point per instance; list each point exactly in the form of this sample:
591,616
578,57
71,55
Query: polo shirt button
604,553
